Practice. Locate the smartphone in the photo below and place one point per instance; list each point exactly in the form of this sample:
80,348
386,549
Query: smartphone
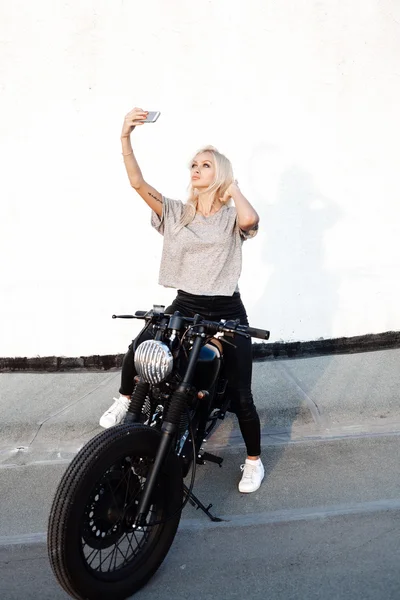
152,117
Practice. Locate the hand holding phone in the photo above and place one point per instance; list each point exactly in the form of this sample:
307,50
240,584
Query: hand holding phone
152,117
135,117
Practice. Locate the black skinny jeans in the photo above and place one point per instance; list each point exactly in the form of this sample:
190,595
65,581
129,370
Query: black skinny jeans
238,361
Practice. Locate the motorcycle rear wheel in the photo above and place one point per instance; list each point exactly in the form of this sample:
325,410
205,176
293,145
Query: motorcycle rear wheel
93,550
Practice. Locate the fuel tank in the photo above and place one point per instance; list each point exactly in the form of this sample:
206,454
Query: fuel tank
207,368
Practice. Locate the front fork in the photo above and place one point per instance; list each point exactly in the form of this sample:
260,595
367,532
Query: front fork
169,430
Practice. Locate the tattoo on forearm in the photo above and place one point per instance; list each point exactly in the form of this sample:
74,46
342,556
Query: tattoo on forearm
155,197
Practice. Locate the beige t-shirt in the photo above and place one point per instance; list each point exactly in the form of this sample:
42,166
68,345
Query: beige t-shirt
205,257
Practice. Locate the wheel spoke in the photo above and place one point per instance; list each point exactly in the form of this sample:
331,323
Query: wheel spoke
118,548
95,552
108,555
126,556
129,542
132,500
115,558
136,540
143,539
114,489
112,558
112,493
127,487
121,481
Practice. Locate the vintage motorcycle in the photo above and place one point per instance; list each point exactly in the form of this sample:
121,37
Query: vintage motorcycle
118,506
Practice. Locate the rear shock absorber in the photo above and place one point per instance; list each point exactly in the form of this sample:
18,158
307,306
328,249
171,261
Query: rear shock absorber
136,404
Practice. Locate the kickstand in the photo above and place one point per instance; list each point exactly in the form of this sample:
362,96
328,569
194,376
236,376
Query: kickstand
194,501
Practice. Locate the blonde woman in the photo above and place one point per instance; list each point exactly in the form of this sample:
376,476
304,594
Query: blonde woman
202,260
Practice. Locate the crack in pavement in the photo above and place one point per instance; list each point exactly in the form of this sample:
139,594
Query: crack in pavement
59,412
318,417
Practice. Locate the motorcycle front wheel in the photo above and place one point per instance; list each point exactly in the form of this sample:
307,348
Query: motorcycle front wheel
94,551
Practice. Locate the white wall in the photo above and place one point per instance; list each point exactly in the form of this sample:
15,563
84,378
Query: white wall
302,95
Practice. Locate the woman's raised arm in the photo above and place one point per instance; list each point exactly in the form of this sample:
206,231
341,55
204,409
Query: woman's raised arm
153,198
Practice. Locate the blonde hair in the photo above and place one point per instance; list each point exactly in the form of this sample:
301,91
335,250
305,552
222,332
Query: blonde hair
223,179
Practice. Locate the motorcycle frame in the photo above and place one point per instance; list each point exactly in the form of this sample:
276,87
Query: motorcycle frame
169,428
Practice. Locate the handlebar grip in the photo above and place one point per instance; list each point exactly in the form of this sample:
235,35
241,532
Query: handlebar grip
262,334
141,313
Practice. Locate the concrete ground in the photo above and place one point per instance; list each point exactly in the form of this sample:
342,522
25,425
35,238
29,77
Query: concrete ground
324,524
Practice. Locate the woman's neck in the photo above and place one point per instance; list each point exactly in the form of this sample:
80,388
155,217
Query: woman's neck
207,204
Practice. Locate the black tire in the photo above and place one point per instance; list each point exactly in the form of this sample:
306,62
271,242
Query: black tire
94,505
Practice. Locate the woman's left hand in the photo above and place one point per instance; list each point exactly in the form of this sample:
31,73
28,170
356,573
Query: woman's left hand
230,191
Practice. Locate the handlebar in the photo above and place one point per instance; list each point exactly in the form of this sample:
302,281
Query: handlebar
212,327
262,334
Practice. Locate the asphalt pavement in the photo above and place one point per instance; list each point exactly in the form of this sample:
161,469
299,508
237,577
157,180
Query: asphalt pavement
324,524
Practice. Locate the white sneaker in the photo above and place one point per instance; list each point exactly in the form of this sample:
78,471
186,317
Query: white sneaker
115,414
253,474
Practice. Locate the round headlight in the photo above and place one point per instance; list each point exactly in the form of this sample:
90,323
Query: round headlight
153,361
